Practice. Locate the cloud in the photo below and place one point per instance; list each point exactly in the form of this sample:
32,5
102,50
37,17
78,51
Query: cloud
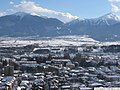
114,0
2,14
32,7
11,2
114,8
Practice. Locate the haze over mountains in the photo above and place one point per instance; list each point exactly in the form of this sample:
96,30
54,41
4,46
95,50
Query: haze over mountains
104,28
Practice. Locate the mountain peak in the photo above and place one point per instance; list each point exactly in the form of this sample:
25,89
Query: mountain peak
21,14
111,16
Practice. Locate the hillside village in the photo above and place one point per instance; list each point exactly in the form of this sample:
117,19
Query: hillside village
33,67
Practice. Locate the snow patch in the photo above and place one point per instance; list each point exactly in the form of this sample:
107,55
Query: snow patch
20,14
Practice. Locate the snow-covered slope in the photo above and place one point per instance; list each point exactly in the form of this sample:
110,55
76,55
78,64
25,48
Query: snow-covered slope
57,41
20,14
107,19
111,16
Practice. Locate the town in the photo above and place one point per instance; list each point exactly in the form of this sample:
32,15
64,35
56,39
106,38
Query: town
33,67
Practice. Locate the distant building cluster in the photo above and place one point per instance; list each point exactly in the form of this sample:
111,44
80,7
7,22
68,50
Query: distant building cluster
58,68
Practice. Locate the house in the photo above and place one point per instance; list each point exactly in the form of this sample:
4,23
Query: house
112,77
7,83
85,88
62,62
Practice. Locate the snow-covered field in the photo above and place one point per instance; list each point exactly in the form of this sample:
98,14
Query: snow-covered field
56,41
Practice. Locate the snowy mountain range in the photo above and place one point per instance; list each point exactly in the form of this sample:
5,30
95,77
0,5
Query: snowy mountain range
104,28
107,19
